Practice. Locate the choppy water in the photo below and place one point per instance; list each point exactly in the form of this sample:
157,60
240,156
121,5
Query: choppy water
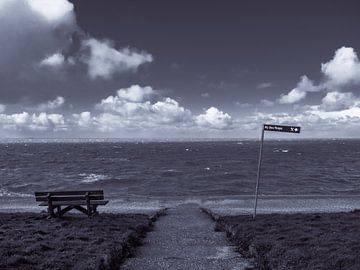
153,173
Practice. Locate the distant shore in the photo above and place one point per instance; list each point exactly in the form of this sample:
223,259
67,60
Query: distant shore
30,241
296,241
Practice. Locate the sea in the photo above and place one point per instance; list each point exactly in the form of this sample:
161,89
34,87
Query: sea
141,176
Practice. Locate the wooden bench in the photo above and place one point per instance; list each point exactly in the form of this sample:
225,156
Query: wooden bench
83,201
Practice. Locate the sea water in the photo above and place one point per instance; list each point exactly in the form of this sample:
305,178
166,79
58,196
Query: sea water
296,175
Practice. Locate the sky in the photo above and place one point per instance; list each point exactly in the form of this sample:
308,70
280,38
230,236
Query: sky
178,69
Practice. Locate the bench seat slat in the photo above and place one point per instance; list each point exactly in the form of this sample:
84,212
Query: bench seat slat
68,198
70,192
83,202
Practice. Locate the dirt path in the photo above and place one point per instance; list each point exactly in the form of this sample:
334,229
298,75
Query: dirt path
185,239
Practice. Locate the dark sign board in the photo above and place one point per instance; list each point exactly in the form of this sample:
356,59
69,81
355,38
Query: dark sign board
278,128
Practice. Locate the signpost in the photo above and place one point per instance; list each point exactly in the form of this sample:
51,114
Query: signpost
276,128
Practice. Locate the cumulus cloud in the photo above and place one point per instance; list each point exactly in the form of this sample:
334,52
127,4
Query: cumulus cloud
30,34
293,96
133,109
169,111
299,93
54,10
83,119
45,49
343,69
307,85
128,101
346,115
214,118
135,93
38,29
132,106
55,60
334,101
338,113
104,60
165,113
51,104
337,107
33,122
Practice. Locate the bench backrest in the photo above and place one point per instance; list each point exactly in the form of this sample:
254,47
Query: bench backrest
69,195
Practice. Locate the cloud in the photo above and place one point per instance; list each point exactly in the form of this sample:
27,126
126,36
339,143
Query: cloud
146,114
214,118
44,52
52,11
338,113
29,34
104,60
264,85
131,110
335,101
346,115
293,96
37,30
343,69
52,104
133,107
128,101
205,95
307,85
33,122
299,93
83,119
2,108
143,116
55,60
135,93
108,122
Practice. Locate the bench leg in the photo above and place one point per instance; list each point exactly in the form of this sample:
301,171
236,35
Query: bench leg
50,206
66,209
51,211
94,210
88,210
58,210
81,209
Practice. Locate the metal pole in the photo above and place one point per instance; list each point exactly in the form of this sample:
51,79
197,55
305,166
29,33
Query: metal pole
258,172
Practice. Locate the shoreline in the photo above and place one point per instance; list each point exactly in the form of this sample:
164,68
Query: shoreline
225,205
295,241
30,241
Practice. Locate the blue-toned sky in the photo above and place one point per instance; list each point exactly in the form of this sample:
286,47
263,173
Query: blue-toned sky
178,69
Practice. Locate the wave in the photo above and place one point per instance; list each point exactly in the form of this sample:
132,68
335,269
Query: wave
93,177
6,193
282,150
